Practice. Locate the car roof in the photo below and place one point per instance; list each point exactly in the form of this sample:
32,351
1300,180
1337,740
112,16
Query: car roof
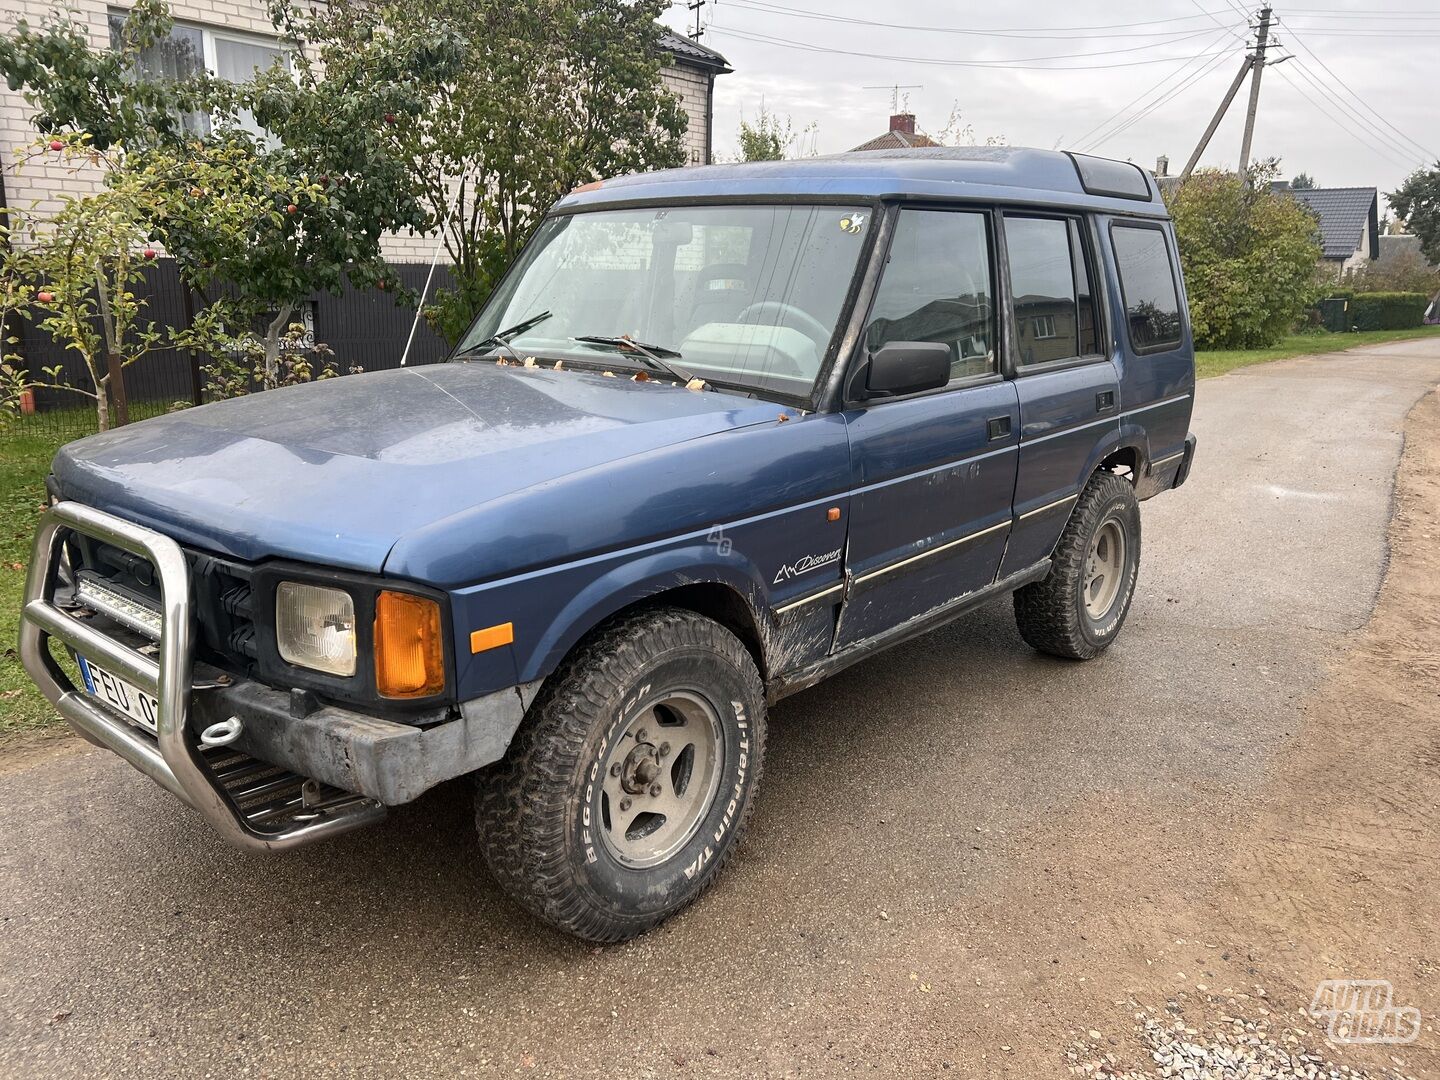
1006,174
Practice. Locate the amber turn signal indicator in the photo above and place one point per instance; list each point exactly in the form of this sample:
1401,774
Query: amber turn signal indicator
409,651
492,637
833,514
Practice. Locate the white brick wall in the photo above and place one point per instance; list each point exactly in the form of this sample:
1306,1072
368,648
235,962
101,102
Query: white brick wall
40,182
694,89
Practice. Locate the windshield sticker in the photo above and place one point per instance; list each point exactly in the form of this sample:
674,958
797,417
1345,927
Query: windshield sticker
852,224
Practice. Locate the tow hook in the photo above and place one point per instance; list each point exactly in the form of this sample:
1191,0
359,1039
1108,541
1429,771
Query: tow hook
222,733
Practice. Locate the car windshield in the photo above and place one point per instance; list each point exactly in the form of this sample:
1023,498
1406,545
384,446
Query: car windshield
745,296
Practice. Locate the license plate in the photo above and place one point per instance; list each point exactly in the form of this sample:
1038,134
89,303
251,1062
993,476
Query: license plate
138,706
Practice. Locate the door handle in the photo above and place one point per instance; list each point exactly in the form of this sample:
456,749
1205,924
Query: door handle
997,427
1105,401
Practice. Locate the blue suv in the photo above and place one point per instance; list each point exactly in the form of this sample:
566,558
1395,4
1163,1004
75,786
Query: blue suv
719,433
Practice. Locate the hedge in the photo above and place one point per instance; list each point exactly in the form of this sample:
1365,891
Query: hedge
1388,310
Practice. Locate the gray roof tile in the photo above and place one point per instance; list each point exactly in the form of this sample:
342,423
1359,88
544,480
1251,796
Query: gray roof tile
1343,214
684,50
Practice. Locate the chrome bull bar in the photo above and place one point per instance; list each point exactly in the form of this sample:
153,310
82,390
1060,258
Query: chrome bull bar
171,758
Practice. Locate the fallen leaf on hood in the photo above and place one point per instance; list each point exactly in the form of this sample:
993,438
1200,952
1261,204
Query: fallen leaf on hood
559,365
782,418
608,374
530,361
640,376
695,384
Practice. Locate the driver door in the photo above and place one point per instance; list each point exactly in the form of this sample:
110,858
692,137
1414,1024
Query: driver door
933,473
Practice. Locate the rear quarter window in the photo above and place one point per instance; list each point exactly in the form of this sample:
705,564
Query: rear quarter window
1147,283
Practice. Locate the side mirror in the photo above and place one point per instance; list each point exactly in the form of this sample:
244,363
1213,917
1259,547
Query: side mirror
907,367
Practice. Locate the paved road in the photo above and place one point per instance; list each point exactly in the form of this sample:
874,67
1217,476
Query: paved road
901,798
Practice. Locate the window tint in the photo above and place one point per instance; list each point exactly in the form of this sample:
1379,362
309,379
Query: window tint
1050,288
1042,285
1152,302
1087,322
936,287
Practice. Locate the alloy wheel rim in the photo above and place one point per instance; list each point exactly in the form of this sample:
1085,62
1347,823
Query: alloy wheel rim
661,777
1104,569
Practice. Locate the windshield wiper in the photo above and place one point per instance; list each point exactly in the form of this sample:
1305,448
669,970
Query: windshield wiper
656,355
501,338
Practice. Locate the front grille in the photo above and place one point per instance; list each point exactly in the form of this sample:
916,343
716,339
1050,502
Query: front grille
126,588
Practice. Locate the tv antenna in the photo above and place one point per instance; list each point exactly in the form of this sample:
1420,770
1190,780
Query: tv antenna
697,6
894,93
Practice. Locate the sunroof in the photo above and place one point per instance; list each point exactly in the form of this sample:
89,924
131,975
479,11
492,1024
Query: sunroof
1101,176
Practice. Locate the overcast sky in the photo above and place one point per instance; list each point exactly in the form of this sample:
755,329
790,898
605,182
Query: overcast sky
1386,56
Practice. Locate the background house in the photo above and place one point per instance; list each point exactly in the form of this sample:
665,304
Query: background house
1349,224
901,136
232,38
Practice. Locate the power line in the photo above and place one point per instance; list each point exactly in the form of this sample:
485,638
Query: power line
1057,32
1430,154
1144,94
1329,115
1017,64
1342,111
1137,98
1367,15
1175,92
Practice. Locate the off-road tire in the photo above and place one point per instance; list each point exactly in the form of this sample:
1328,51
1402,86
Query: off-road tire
531,807
1051,612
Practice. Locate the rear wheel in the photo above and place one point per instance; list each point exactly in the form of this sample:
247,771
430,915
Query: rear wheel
1077,610
630,782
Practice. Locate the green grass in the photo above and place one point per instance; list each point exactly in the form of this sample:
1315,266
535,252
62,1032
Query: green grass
1212,362
24,462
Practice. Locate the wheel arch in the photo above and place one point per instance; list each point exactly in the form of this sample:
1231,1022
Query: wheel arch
727,590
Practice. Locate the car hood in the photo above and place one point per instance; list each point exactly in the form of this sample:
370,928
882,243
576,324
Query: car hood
336,472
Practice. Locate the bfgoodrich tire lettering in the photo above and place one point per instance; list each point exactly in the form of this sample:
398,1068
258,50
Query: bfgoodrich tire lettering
1101,538
616,723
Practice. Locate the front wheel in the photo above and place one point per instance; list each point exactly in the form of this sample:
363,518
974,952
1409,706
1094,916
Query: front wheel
630,783
1077,610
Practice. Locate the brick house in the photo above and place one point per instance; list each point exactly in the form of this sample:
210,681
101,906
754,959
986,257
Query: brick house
231,38
901,136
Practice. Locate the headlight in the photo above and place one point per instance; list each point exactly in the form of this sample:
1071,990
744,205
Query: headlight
315,627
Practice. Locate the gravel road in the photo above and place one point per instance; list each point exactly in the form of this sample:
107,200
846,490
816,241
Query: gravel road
964,854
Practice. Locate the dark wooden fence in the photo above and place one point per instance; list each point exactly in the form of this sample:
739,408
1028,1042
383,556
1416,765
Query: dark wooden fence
365,328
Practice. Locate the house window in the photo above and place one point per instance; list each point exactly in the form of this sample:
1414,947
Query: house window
1045,326
189,50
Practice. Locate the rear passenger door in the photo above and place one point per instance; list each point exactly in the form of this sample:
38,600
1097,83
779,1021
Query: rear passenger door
1068,387
933,472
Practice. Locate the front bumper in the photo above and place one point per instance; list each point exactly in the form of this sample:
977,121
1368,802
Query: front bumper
392,763
252,804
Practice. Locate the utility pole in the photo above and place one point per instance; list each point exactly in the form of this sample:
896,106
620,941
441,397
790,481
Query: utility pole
699,31
1262,39
1219,115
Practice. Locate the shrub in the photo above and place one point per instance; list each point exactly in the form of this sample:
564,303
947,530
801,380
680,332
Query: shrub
1249,257
1388,310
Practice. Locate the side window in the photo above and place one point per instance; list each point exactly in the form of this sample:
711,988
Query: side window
1050,288
937,287
1147,281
